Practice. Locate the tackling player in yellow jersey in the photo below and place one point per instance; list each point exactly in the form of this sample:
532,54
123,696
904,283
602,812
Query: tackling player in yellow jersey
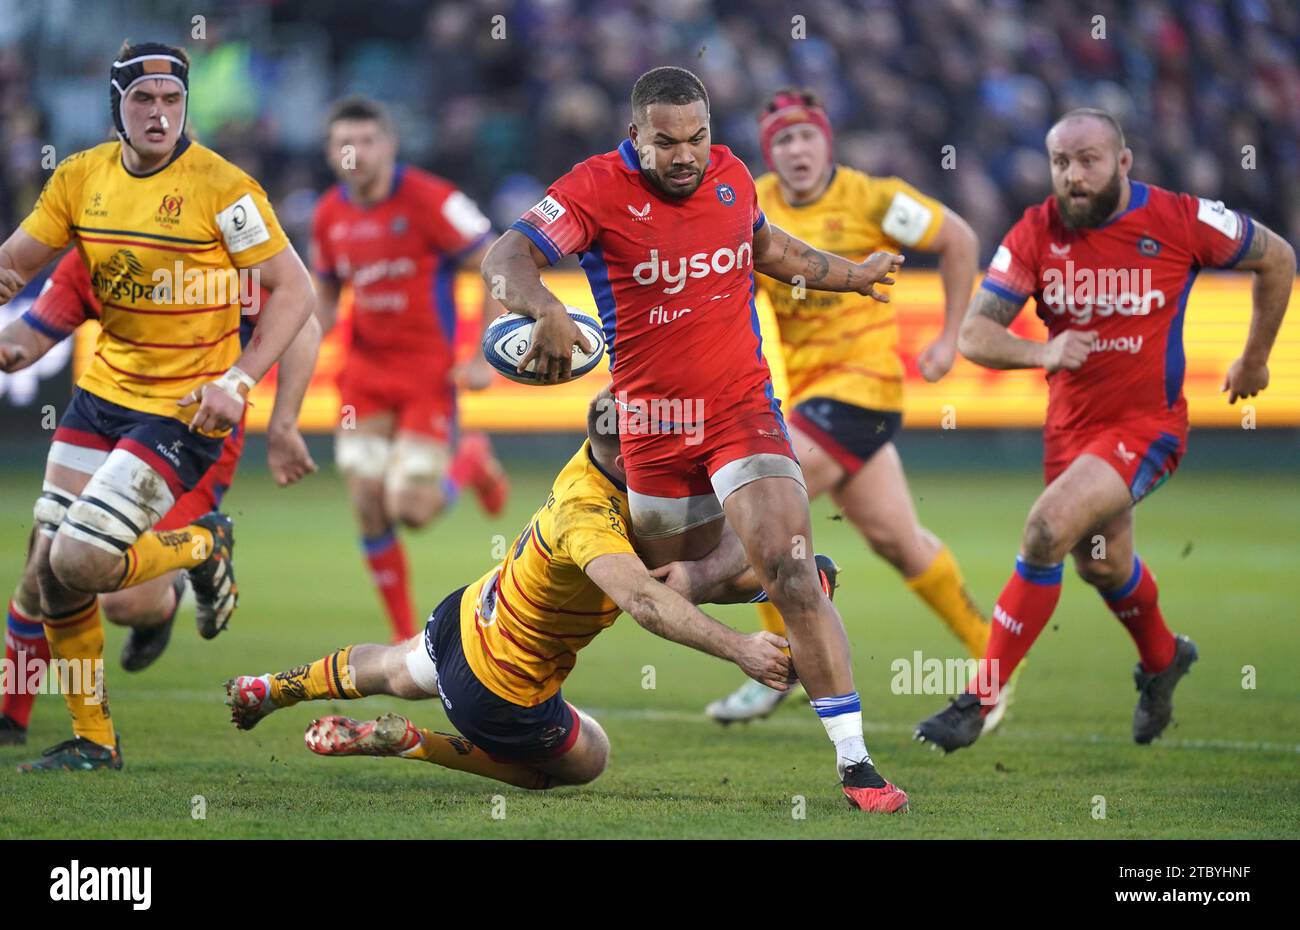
167,228
496,652
840,353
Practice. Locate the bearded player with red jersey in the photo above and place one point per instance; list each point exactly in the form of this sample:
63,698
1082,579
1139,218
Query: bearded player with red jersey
1110,262
147,609
397,236
670,232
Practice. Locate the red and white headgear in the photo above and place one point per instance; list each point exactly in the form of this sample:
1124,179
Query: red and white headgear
790,108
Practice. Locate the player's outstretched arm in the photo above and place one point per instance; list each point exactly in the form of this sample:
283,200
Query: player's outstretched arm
1272,259
327,303
286,451
724,576
21,346
780,255
291,300
666,613
21,256
985,340
512,272
958,249
476,374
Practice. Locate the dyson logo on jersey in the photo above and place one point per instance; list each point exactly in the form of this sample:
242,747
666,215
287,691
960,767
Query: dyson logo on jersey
1085,293
699,265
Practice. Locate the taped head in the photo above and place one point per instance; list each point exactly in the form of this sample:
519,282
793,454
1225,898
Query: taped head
146,61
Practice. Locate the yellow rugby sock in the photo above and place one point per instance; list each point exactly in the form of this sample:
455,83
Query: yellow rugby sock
941,586
455,752
771,619
77,637
325,679
157,553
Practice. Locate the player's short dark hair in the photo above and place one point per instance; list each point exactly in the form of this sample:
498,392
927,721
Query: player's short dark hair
676,86
1099,114
807,97
602,422
361,108
131,50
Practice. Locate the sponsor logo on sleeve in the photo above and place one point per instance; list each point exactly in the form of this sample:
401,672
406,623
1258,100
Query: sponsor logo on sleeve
1214,213
906,220
464,216
1001,259
242,226
548,211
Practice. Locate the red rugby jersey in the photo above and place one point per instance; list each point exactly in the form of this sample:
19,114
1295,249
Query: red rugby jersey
400,256
1128,281
673,279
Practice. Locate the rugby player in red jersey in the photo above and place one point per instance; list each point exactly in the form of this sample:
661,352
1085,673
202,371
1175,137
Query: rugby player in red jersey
670,234
397,236
148,609
1110,262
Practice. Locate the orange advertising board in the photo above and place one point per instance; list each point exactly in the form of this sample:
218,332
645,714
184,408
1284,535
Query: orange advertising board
1218,315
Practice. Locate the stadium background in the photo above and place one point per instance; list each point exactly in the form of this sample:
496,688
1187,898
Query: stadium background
1193,83
1210,93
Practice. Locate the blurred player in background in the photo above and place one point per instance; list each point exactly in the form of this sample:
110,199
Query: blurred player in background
670,232
498,651
157,217
149,608
1110,262
841,359
396,236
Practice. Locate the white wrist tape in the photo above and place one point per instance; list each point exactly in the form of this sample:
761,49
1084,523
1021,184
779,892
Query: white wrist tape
232,381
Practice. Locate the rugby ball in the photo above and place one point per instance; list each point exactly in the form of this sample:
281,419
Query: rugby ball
508,337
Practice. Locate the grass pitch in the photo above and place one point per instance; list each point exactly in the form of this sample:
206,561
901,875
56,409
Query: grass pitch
1224,548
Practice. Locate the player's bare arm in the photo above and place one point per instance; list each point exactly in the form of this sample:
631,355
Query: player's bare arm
780,255
327,303
958,249
286,451
512,272
723,576
667,614
985,339
21,256
221,402
1272,259
21,346
476,374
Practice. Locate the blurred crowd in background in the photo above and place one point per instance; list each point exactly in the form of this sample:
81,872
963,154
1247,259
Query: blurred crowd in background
501,97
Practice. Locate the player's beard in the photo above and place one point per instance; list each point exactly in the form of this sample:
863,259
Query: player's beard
1096,211
677,194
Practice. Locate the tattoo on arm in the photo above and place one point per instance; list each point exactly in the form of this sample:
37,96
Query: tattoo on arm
994,306
816,266
1258,244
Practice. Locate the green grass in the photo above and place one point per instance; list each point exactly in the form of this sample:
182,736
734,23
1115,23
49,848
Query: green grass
1224,548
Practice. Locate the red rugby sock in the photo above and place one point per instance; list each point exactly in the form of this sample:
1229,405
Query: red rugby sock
25,646
387,561
1022,610
1136,606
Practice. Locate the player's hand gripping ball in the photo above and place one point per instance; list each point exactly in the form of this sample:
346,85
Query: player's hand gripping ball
508,339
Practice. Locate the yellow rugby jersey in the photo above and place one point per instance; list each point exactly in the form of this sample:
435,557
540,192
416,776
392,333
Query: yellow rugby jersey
844,346
522,624
163,250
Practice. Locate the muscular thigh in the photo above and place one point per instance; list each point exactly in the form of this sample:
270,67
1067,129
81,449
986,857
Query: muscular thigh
820,471
877,498
1105,551
1086,494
